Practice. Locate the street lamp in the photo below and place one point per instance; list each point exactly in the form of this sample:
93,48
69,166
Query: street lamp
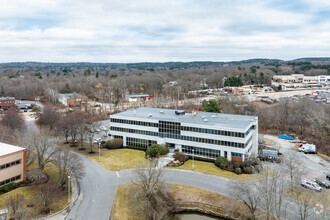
99,151
193,159
69,188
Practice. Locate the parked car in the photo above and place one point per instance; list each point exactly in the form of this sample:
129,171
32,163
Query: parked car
321,183
310,185
295,141
328,176
301,148
96,141
309,149
261,141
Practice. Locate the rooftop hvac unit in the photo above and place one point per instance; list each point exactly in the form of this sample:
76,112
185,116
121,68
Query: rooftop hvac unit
162,112
213,116
203,116
150,115
205,119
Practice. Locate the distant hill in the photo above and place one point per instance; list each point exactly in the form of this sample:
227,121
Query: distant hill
152,65
312,59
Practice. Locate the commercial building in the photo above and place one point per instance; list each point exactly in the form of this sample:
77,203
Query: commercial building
205,135
72,99
138,97
295,81
12,164
7,102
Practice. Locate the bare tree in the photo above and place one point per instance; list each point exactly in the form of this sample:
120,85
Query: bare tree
44,146
15,203
152,191
249,194
91,130
49,117
68,163
13,120
46,195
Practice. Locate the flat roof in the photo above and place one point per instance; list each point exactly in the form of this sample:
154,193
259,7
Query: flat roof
6,98
72,95
8,149
138,95
202,118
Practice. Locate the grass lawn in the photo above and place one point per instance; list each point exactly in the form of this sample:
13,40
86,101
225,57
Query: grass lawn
211,168
116,159
30,192
126,205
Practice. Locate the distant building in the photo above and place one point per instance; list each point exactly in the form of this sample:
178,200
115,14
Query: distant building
138,97
7,102
12,164
323,79
295,81
205,135
72,99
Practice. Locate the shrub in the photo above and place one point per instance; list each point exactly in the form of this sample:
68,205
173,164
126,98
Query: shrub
230,167
236,164
156,149
180,157
247,170
258,168
238,170
176,150
221,162
8,187
114,143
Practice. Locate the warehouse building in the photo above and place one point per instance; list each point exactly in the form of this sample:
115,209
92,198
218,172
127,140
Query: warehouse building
205,135
12,164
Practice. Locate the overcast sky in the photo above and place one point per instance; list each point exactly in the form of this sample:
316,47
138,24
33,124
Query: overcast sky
158,31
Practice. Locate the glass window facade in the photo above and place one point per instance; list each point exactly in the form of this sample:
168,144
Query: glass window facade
181,137
137,142
201,152
168,127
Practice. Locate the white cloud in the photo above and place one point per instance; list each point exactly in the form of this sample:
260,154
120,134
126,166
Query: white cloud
137,31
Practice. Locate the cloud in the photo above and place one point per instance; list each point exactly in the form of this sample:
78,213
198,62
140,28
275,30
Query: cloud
164,30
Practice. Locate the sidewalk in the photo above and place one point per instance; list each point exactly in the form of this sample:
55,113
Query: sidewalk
61,215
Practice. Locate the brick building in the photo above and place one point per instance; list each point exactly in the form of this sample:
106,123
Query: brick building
73,99
7,102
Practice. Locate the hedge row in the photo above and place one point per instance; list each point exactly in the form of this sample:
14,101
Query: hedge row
250,166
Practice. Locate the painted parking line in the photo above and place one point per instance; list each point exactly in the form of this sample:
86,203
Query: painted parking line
117,174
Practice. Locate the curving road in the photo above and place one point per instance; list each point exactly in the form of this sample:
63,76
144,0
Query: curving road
98,188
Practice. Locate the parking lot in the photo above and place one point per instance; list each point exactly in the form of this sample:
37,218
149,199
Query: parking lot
313,165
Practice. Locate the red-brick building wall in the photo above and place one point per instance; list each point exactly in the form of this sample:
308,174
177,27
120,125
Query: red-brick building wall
7,103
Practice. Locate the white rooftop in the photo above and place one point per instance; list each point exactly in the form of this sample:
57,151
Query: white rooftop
202,118
8,149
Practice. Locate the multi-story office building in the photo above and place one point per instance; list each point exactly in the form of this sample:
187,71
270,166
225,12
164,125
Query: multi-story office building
12,164
205,135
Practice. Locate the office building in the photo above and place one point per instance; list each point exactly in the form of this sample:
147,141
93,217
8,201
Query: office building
205,135
12,164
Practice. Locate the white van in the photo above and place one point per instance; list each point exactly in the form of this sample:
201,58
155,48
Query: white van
309,149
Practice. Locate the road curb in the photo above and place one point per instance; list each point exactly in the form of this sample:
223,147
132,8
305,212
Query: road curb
64,212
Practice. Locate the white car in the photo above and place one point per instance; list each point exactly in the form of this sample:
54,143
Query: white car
103,128
310,185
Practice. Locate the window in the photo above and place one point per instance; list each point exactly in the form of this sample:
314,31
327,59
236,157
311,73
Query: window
236,154
10,180
10,164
